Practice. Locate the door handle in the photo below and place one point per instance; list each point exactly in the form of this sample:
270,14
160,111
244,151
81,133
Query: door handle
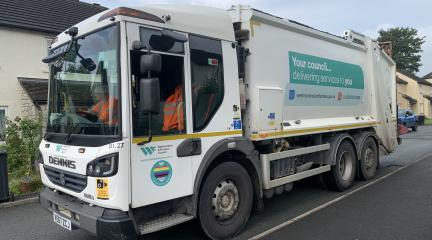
189,147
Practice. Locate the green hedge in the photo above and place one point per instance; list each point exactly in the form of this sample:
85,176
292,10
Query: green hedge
22,137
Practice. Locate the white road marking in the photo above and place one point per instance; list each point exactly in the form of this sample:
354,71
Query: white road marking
303,215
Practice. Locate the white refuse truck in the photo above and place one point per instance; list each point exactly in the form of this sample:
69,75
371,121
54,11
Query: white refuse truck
161,114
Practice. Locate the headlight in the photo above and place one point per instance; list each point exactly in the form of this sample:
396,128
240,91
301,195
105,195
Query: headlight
105,166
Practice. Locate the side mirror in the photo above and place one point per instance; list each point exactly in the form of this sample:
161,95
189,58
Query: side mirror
150,62
88,64
149,87
149,95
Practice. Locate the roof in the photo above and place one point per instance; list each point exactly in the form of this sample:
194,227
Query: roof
294,22
428,76
414,77
205,21
36,88
50,16
245,14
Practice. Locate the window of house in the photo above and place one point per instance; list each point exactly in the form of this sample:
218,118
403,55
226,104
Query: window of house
3,115
207,79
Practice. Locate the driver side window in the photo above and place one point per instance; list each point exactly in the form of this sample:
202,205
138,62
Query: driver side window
171,118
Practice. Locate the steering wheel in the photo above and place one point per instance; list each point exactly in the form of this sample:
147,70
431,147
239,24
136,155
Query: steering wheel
88,115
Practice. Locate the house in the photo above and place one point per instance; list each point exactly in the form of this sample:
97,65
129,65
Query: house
27,28
428,77
414,93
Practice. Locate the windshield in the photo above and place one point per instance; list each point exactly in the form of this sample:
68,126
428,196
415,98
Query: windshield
84,86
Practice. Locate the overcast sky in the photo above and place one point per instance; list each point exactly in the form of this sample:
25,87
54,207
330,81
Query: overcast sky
334,16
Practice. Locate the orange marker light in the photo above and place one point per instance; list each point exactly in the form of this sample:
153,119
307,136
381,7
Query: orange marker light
129,12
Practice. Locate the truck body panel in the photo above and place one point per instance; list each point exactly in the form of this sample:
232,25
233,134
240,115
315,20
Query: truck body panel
323,82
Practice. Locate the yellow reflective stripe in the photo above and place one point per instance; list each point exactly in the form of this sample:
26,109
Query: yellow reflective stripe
192,135
169,112
309,130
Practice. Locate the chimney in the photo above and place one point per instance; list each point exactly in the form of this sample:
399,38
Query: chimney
387,47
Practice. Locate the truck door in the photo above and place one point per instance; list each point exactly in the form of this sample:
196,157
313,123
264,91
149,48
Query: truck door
386,100
158,171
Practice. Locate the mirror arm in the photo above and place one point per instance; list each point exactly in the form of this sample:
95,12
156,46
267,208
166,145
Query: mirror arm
150,135
76,51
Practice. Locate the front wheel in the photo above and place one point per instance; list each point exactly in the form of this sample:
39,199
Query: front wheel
414,128
225,201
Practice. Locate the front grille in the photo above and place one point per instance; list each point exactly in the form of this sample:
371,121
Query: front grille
71,181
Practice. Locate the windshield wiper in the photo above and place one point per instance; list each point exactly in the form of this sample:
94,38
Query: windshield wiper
68,137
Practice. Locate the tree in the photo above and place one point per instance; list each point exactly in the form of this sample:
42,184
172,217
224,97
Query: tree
406,47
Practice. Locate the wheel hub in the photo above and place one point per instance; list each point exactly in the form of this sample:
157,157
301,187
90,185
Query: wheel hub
369,158
225,200
345,165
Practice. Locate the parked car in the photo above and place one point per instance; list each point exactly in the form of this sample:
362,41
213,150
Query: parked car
408,118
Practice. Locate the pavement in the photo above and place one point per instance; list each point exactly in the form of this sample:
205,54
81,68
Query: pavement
395,205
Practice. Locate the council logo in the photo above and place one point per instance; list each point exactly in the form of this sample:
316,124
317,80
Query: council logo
161,173
148,150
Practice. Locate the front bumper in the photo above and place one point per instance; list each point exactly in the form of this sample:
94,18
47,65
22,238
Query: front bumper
103,222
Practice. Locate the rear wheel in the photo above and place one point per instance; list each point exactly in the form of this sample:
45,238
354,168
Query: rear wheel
225,201
342,174
369,159
414,128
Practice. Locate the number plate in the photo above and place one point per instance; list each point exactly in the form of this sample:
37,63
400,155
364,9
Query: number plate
64,222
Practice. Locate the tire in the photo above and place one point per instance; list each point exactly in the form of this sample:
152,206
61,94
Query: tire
414,128
343,173
228,182
368,163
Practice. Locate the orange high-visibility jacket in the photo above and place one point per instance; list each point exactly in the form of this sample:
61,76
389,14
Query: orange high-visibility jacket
106,110
173,111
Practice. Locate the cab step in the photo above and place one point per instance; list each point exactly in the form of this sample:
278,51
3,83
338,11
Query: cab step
163,222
